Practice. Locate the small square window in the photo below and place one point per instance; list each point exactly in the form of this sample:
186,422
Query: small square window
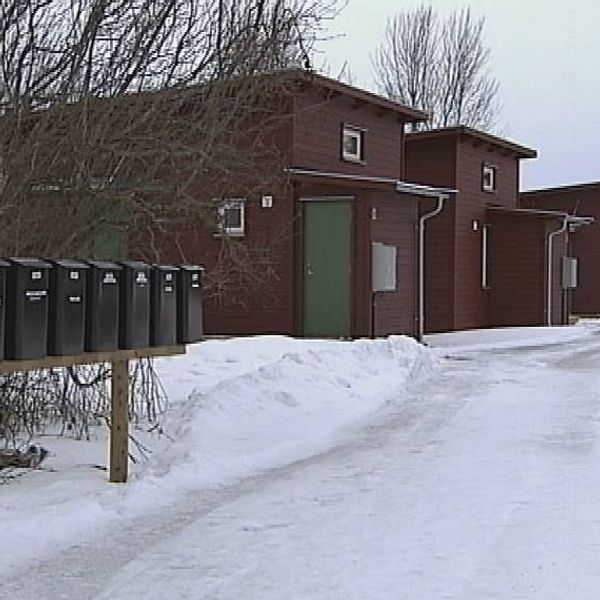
231,217
488,178
353,144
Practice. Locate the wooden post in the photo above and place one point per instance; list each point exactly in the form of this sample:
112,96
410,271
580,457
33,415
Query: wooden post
119,431
119,421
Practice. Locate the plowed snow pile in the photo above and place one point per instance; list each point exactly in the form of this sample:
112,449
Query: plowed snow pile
238,406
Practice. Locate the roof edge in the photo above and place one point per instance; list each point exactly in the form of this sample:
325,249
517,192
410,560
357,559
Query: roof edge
400,186
562,188
534,212
409,114
488,138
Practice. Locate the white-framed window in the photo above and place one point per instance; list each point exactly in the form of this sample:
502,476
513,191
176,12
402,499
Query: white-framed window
488,178
231,217
353,143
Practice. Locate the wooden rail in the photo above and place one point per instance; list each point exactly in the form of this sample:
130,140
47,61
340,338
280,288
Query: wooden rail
119,406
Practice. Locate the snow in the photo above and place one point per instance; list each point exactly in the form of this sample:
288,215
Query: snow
377,469
238,406
508,337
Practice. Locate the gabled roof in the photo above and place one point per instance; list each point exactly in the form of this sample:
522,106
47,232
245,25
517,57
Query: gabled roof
405,113
575,187
481,137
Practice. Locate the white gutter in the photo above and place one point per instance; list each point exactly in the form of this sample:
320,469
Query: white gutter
423,190
422,220
401,186
551,237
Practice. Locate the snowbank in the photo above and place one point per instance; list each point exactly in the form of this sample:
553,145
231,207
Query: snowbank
238,406
502,338
285,409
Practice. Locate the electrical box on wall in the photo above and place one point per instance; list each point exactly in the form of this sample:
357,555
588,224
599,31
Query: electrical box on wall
569,272
266,202
383,267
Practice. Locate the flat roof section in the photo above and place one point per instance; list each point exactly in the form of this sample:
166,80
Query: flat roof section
543,214
574,187
479,136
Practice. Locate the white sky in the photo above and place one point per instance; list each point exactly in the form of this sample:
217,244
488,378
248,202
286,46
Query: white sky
546,55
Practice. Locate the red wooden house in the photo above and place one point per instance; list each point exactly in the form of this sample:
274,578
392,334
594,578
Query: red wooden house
343,235
488,261
581,199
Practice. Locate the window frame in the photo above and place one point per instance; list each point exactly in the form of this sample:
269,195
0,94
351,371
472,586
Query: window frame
230,204
492,170
359,134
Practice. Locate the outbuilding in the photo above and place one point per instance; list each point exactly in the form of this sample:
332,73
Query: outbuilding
579,199
339,244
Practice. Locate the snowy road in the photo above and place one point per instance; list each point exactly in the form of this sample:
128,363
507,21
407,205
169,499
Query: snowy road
484,484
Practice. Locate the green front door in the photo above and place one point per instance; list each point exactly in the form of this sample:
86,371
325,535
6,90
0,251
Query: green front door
326,268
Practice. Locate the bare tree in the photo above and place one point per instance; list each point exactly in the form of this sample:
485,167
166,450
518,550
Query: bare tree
440,66
406,62
129,118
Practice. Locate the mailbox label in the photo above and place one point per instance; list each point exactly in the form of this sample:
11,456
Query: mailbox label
141,278
109,278
74,275
35,275
35,295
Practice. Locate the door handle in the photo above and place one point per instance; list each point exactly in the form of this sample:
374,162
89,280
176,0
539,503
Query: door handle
309,269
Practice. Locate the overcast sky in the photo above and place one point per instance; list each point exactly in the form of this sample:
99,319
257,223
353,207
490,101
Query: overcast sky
546,55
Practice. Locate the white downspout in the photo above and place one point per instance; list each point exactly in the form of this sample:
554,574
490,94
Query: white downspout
551,237
422,219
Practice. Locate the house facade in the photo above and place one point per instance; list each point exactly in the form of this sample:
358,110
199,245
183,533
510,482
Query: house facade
581,199
489,262
341,235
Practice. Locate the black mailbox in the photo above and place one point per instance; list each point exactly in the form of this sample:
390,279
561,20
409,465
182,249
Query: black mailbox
163,305
27,309
3,274
189,318
66,324
134,328
102,306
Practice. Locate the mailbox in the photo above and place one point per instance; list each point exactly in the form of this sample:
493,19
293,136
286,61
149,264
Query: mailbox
163,305
66,325
134,320
189,315
27,309
102,306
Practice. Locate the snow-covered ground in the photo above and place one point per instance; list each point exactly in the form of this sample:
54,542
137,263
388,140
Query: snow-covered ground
322,469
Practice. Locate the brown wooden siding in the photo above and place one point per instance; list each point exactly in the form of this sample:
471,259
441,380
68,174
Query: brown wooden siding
439,270
318,124
396,312
470,299
518,271
584,243
433,162
268,306
454,292
470,160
